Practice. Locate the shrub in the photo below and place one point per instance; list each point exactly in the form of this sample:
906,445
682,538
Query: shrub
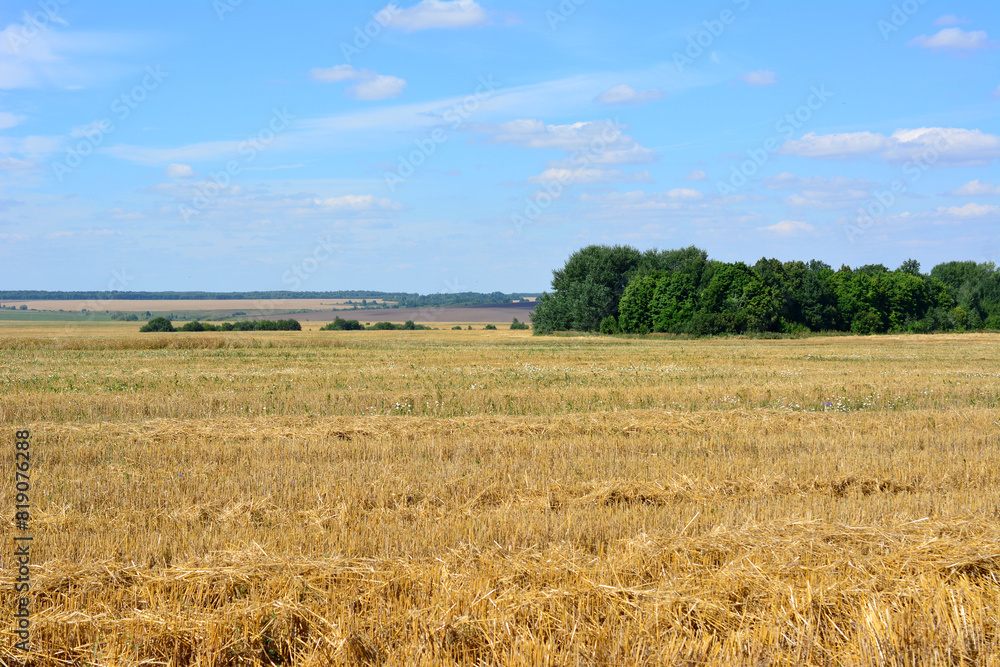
609,325
339,324
491,327
518,325
193,326
457,327
157,324
383,326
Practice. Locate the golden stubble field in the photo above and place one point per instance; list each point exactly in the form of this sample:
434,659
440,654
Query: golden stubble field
494,498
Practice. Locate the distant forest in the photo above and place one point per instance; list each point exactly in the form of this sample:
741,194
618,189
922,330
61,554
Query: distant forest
400,299
623,290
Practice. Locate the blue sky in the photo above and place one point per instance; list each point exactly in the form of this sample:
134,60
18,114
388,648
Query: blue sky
439,146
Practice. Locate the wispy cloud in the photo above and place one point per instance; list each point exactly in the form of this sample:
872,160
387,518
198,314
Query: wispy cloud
788,228
589,176
623,94
761,77
8,120
358,203
557,97
950,19
175,170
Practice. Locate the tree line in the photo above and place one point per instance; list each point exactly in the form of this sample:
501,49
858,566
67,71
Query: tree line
619,289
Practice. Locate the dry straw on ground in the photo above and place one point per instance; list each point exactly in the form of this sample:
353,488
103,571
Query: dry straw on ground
431,498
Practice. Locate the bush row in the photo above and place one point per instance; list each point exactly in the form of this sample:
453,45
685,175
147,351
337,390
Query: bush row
162,324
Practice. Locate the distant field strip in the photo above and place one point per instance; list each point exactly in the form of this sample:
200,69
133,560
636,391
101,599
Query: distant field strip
168,305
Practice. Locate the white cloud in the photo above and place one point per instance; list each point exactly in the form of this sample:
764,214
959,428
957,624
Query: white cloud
592,144
176,170
761,77
821,192
696,175
954,39
685,194
624,94
789,181
532,133
932,144
93,129
954,144
358,203
335,73
970,210
370,86
380,87
429,14
8,119
836,146
26,152
976,189
374,125
587,176
14,164
199,152
949,19
638,201
634,154
51,57
596,142
788,228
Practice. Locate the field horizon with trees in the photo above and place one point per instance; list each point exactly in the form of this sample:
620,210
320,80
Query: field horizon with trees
619,289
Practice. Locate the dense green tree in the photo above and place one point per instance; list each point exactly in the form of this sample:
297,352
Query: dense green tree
158,324
636,306
682,291
587,289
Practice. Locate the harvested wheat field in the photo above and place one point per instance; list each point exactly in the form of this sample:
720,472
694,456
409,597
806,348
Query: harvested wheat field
498,498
